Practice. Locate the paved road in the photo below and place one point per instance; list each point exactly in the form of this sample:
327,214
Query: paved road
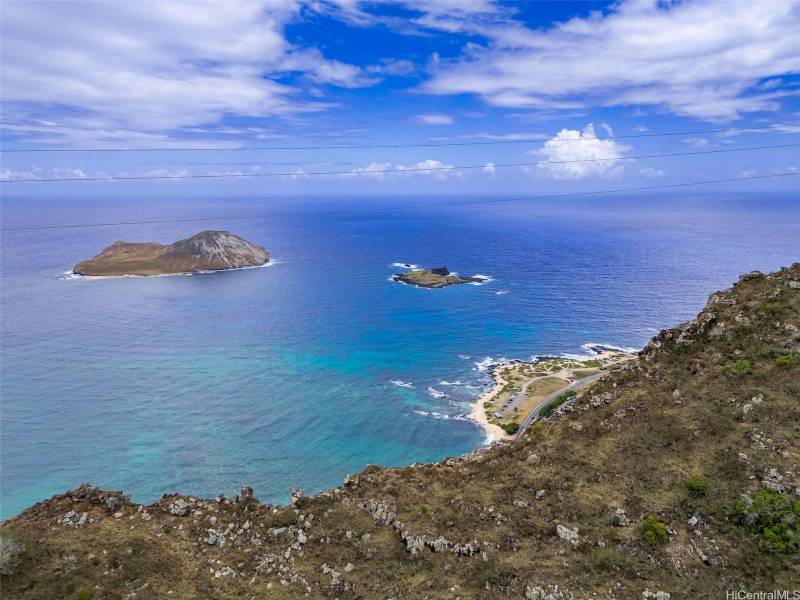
534,414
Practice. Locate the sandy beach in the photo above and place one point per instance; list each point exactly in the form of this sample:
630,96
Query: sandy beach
499,372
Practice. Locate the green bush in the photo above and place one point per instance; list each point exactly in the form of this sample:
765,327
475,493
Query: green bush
785,360
696,485
740,368
558,401
510,428
775,517
654,531
768,310
84,594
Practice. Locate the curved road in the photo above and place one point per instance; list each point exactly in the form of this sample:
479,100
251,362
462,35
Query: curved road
534,414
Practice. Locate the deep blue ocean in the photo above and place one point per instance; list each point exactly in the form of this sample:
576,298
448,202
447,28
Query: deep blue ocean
296,374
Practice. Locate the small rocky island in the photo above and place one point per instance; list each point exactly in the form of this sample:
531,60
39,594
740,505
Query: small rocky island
204,251
433,278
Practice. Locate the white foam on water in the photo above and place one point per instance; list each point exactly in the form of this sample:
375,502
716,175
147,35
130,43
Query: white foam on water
501,292
402,384
404,265
484,279
441,416
488,362
434,393
76,276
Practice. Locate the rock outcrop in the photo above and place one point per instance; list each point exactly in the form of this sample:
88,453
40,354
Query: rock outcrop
204,251
438,277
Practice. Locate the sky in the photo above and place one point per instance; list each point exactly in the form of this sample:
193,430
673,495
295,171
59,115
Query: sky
569,81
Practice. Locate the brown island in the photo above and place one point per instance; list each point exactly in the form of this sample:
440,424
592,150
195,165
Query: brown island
433,278
204,251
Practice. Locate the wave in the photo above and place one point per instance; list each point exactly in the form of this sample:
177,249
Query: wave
599,348
75,276
441,416
403,384
456,382
501,292
488,362
434,393
401,265
484,279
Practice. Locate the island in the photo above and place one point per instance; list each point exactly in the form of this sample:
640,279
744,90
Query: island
433,278
204,251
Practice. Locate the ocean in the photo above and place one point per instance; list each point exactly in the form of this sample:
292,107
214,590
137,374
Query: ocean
296,374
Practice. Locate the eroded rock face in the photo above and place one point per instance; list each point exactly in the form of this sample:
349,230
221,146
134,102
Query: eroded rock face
204,251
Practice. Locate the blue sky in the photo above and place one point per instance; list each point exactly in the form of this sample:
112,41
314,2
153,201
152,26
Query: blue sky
284,73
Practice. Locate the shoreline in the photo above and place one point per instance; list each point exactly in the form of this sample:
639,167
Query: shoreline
495,433
71,275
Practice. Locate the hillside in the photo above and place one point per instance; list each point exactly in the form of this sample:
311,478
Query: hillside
678,476
204,251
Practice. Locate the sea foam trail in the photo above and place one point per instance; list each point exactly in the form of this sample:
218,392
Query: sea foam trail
402,384
401,265
441,416
434,393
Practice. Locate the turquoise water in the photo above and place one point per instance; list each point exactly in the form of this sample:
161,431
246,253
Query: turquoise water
296,374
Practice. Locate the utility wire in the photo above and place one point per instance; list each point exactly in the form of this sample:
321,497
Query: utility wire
403,207
773,126
395,170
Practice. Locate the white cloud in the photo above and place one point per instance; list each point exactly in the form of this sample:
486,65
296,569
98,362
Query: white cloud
140,69
384,170
489,168
700,59
433,119
572,145
651,172
697,142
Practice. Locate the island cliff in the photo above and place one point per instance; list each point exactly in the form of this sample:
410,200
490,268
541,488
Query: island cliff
676,475
433,278
204,251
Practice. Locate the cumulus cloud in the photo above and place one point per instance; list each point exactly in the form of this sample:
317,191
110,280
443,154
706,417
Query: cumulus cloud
699,59
572,145
433,119
139,69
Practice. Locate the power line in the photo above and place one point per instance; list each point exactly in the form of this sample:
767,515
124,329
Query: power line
404,207
773,126
395,170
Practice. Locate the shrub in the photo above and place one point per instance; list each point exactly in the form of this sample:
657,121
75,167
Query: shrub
510,428
654,531
740,368
785,360
558,401
84,594
768,310
775,517
696,485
